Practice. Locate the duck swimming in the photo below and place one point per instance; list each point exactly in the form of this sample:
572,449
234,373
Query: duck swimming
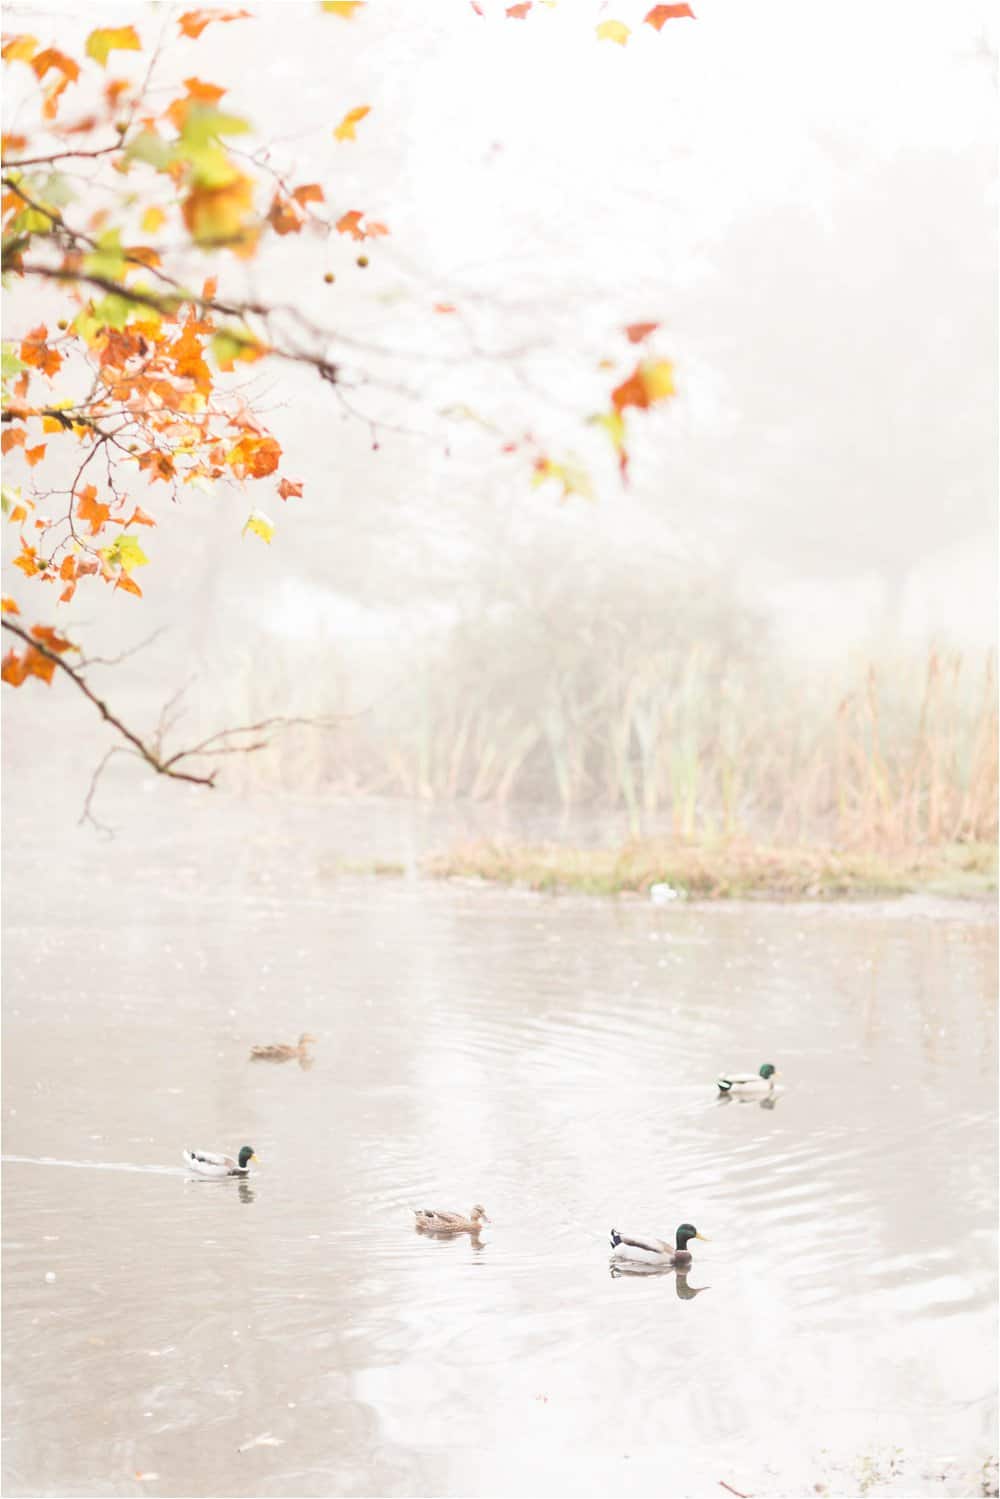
282,1051
435,1221
207,1163
649,1251
745,1084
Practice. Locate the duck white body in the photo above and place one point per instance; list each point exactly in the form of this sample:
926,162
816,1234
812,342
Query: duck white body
645,1250
746,1084
210,1163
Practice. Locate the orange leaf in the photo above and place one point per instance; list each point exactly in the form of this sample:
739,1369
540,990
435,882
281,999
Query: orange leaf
20,49
519,12
67,593
53,58
285,216
289,488
160,465
139,518
128,584
661,14
91,510
18,513
374,227
14,670
345,130
254,457
67,568
193,22
35,455
53,639
9,605
310,192
649,382
207,93
28,559
35,351
636,332
445,307
12,438
350,223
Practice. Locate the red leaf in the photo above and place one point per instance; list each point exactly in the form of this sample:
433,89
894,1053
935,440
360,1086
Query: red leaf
636,332
289,489
518,12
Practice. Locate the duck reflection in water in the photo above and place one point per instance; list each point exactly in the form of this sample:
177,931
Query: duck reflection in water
684,1291
247,1193
769,1100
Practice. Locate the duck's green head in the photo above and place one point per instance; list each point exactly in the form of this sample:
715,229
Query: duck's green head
685,1233
247,1154
767,1071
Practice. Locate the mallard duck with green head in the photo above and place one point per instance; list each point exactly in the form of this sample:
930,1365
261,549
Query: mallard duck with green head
648,1251
747,1084
209,1163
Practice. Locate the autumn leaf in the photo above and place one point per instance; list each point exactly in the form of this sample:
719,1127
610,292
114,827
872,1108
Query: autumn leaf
193,22
9,605
140,518
344,8
290,489
35,455
157,464
36,352
345,131
124,552
207,93
351,223
636,332
284,215
661,14
12,438
53,58
154,218
309,192
90,509
445,307
649,382
613,423
127,585
20,48
254,457
519,12
258,523
114,39
613,31
53,640
219,215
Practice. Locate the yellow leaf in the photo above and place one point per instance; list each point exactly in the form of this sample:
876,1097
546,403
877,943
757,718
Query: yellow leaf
345,130
613,31
345,8
258,523
111,39
153,219
20,48
658,378
124,552
573,478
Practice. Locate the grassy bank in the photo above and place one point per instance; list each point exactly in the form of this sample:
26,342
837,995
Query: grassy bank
724,869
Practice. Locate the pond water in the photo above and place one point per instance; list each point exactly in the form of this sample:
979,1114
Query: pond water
550,1057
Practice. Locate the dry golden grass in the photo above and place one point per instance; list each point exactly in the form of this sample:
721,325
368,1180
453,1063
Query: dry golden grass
728,868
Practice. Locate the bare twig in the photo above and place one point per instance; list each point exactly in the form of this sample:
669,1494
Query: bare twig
729,1486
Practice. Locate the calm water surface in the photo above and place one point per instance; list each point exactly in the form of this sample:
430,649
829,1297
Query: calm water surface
550,1057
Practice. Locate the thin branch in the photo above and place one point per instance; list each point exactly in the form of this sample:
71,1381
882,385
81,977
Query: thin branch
87,815
161,767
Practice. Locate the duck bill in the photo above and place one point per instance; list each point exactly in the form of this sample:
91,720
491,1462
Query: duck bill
703,1239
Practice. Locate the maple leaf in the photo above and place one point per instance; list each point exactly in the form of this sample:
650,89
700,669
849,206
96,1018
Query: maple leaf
661,14
35,455
51,638
139,518
258,523
573,478
309,192
53,58
91,510
636,332
344,8
219,215
350,223
193,22
35,351
19,48
254,457
154,218
127,585
649,382
207,93
9,605
445,307
160,465
12,438
124,552
613,424
113,39
613,31
345,131
284,215
519,12
289,489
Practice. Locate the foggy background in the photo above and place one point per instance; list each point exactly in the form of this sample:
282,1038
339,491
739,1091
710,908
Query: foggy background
804,200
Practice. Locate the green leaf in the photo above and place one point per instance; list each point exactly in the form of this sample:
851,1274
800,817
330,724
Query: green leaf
125,552
11,364
203,124
151,149
108,260
9,497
